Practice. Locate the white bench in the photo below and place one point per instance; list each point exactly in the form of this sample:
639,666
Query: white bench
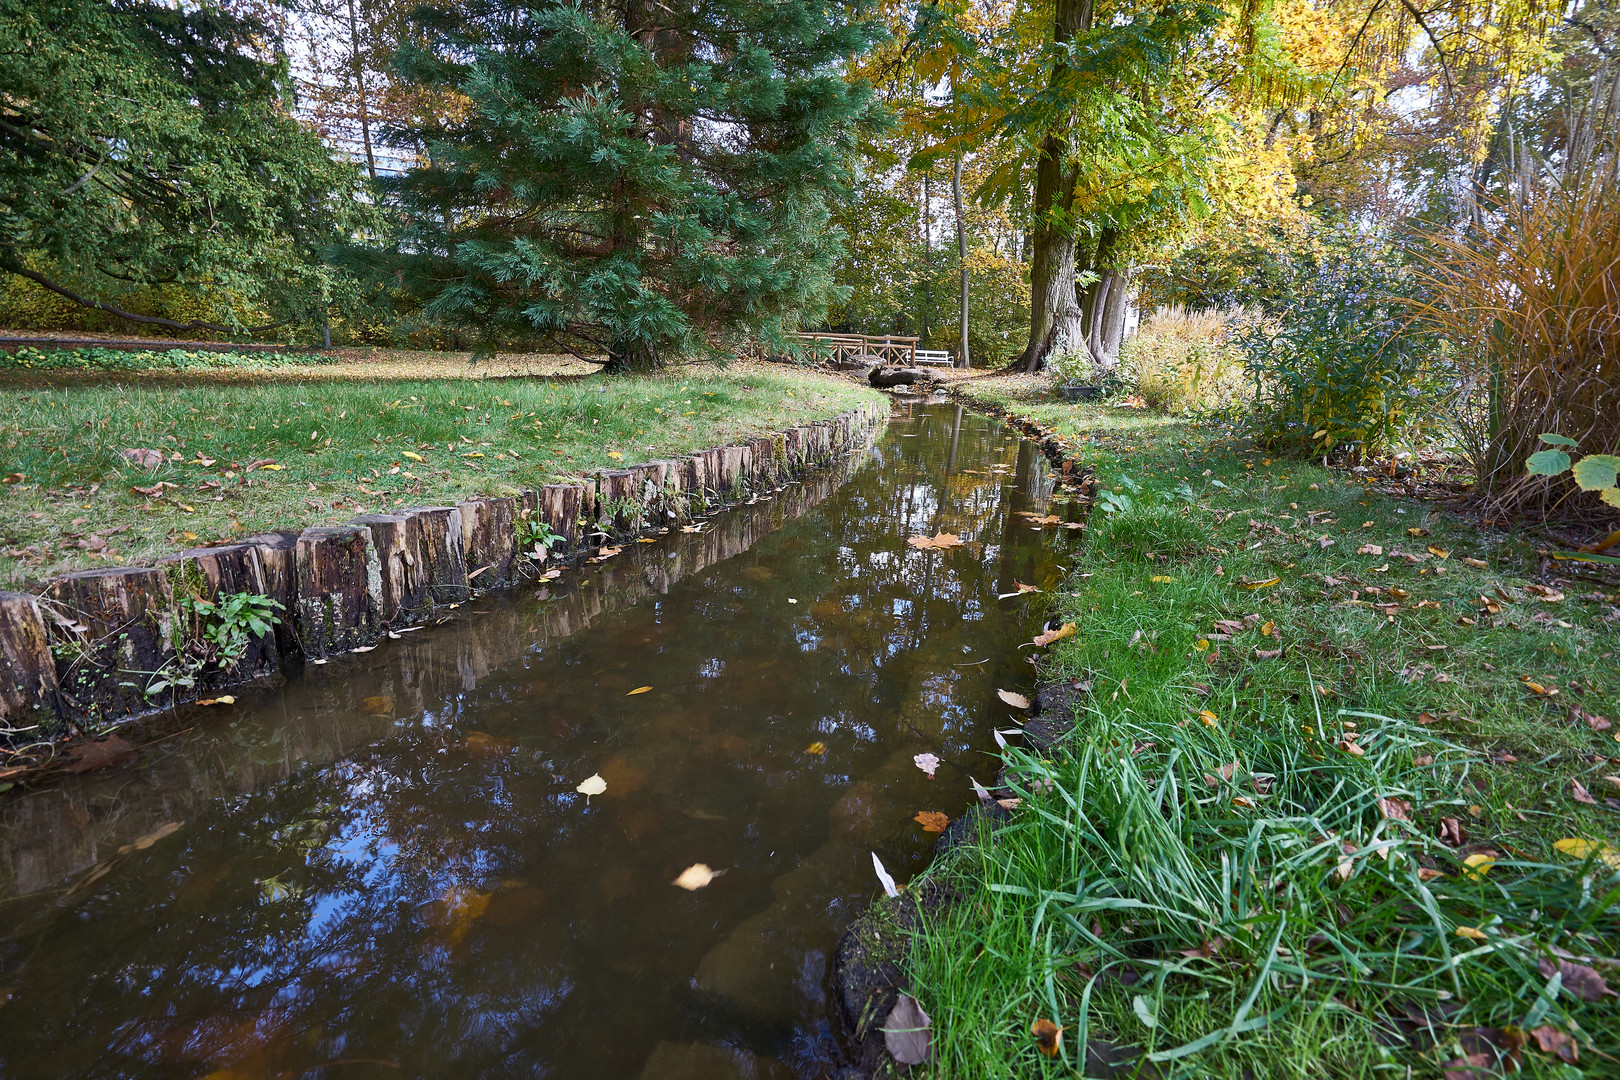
935,356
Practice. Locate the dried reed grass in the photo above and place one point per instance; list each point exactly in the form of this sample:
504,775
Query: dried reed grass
1181,361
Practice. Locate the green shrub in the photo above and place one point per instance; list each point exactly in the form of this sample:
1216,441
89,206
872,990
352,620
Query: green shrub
96,358
1339,372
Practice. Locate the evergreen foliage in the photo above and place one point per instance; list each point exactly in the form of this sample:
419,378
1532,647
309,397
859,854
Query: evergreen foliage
645,180
149,144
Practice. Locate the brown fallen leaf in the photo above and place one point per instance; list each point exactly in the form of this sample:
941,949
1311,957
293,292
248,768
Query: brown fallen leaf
1578,790
1017,701
1472,1067
1046,637
937,542
1210,949
1021,587
1048,1037
1452,833
932,820
1546,594
112,750
1579,979
151,838
1426,717
454,913
378,705
1395,809
906,1034
1417,532
1369,549
1555,1042
1268,654
1439,552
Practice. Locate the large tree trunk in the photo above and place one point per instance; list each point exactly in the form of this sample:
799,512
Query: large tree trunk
1055,321
961,258
1113,318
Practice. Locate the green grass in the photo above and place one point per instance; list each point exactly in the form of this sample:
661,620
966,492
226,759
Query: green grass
98,359
1208,792
342,448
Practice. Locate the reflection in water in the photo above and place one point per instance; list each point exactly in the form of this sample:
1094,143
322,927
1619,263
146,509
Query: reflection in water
384,868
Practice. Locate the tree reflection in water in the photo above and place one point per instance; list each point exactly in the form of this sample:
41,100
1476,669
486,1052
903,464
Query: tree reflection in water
384,867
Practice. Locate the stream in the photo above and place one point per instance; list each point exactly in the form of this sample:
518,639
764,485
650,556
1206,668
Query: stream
383,868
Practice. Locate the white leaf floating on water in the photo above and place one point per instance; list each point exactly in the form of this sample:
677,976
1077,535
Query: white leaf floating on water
999,740
979,790
927,763
889,887
592,785
696,876
1017,701
907,1035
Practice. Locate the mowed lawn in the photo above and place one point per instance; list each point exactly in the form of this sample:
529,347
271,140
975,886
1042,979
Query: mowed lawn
114,472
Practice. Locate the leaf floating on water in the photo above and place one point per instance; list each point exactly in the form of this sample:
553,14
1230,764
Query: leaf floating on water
592,785
454,913
223,699
889,887
1017,701
113,750
906,1034
932,820
151,838
638,690
979,790
378,705
817,748
1048,1037
696,876
939,541
927,763
1021,587
1046,637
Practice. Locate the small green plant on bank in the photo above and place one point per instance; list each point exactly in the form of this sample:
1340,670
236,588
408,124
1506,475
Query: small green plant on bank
535,538
1325,810
213,635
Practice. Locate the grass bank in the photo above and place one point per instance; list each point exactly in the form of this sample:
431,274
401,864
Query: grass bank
112,474
1341,799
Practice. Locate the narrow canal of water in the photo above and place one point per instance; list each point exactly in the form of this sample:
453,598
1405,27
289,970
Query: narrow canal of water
384,869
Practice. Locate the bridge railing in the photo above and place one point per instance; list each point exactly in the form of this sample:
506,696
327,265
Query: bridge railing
889,348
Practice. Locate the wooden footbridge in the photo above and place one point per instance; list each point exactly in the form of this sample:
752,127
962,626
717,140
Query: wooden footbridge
888,348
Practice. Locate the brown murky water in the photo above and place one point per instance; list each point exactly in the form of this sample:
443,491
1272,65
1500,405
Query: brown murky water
384,869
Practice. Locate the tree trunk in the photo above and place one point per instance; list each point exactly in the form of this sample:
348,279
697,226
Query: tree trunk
360,89
1055,322
1113,317
961,258
928,260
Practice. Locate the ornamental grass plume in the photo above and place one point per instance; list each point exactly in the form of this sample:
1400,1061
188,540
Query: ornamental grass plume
1530,299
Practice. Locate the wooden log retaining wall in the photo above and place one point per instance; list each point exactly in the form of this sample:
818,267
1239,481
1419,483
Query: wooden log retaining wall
101,645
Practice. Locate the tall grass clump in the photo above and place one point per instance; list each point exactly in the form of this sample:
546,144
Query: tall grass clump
1181,362
1530,297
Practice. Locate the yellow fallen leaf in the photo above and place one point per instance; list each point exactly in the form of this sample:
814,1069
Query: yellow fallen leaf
1439,552
816,748
1046,637
615,455
932,820
1160,579
1209,718
1478,863
1266,584
223,699
592,785
1580,848
272,465
1472,932
638,690
696,876
1202,644
404,454
939,541
1268,628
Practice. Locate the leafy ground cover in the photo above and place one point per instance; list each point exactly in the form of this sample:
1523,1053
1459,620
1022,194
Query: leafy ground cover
110,474
1343,797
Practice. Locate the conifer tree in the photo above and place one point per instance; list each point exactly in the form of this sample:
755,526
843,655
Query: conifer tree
641,178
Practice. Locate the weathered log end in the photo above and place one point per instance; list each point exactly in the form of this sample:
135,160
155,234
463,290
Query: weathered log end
339,580
200,581
441,553
29,704
399,564
489,540
113,637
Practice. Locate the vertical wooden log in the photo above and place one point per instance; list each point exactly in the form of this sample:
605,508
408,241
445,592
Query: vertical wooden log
619,512
278,572
674,505
561,507
489,540
441,550
28,698
215,575
119,636
647,486
763,463
396,539
339,580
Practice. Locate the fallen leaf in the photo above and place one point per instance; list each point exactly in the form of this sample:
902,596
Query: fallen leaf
151,838
1578,848
1558,1043
145,458
1478,863
927,763
223,699
817,748
1547,595
455,912
1268,628
1268,654
1048,1037
1426,717
413,456
1009,804
638,690
1472,1067
1209,718
979,790
940,541
1439,552
1017,701
1578,790
1266,584
890,889
696,876
1472,932
1351,748
1046,637
1477,564
1395,809
592,785
378,705
906,1034
1369,549
1579,979
1161,579
112,750
932,820
1417,532
1539,690
1021,587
